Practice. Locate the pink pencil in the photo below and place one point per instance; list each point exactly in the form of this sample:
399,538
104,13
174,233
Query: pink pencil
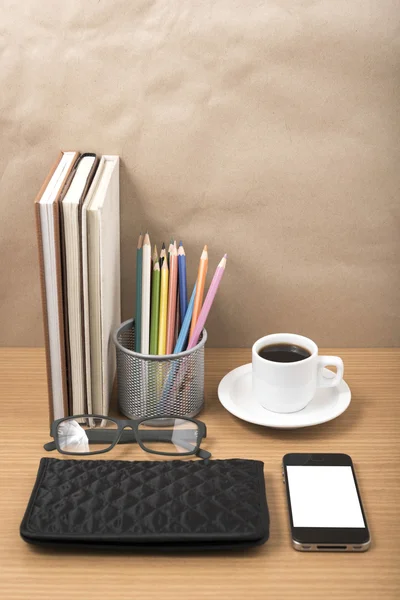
172,297
201,321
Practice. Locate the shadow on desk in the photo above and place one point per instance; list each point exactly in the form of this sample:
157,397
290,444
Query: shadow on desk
330,430
178,553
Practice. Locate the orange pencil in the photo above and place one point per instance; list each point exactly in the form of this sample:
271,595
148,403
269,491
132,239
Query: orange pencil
201,281
172,297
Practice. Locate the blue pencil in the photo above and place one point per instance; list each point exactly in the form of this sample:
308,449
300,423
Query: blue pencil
179,347
184,332
138,317
183,299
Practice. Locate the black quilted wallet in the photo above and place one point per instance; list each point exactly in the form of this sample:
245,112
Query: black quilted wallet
162,505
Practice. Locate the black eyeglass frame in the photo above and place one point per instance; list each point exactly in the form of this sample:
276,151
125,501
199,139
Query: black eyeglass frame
124,436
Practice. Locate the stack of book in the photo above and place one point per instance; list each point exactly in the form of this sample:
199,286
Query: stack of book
77,217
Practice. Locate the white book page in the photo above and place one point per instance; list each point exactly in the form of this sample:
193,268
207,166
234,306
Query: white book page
50,276
110,282
72,240
103,266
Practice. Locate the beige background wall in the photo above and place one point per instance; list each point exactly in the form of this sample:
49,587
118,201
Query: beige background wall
269,130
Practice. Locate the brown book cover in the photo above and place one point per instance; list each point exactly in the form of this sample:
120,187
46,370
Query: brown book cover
60,304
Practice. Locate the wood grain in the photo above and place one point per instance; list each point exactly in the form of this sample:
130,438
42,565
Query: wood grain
368,431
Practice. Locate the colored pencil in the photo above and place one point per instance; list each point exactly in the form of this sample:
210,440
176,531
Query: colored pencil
194,337
172,297
178,316
176,368
183,299
163,313
171,245
184,332
201,280
178,310
138,313
155,308
146,286
163,254
154,257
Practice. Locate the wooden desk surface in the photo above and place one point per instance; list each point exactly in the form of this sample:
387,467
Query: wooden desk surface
368,431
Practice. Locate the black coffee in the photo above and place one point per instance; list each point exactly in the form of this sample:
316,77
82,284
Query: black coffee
284,353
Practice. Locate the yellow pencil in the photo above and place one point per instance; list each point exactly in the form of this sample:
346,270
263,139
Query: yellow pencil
162,327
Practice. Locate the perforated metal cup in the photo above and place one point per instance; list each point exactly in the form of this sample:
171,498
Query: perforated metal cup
149,386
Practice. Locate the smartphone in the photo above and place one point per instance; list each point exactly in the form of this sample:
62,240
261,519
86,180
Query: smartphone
325,508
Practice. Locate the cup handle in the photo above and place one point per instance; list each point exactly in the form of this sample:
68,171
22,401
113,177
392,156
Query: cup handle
325,361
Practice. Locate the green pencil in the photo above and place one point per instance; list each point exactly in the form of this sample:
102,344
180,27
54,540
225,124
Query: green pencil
138,317
155,308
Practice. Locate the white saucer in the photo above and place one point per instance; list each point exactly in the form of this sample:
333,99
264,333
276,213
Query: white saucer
235,395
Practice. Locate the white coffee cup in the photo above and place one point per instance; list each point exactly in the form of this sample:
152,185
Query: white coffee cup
286,387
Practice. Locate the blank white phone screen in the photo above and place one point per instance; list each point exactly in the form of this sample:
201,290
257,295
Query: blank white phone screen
323,496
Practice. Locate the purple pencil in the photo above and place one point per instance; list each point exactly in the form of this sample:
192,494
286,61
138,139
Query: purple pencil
205,309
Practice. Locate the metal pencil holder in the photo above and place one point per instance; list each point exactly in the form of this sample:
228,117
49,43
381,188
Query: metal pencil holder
149,386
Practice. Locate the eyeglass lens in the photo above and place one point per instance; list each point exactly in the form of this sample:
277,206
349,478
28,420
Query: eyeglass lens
174,436
86,434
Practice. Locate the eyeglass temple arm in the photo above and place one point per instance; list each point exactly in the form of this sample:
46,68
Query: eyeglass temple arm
203,454
50,446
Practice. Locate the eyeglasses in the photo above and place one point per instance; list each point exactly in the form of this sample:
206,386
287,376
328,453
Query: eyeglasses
96,434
